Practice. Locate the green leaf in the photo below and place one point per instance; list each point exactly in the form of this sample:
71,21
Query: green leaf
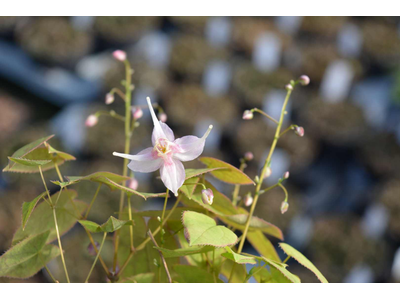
28,257
39,150
239,272
238,258
185,251
290,251
203,230
111,225
282,268
99,177
28,162
190,173
192,274
42,219
262,244
239,222
189,186
27,208
229,174
141,278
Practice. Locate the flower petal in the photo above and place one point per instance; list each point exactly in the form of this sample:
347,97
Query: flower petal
145,161
172,174
158,131
167,132
190,146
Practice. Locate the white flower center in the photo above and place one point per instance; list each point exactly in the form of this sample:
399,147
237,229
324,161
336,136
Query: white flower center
162,147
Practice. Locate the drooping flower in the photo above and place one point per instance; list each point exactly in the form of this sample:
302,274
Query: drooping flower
207,196
284,207
109,98
167,153
247,115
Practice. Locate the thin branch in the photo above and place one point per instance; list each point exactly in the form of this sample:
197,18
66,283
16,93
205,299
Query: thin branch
162,256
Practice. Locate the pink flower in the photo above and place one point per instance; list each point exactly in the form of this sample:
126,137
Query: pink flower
109,98
207,196
166,154
137,112
91,121
119,55
133,184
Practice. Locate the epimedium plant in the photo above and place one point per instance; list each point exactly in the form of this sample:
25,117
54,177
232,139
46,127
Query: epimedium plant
194,241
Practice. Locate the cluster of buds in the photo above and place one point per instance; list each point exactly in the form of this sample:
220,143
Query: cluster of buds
207,196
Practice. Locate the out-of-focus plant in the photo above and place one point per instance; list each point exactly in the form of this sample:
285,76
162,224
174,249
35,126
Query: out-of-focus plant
151,251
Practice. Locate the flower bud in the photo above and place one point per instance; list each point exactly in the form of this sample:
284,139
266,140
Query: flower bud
284,207
286,175
109,98
163,117
207,196
289,87
247,115
91,250
304,80
133,184
268,172
137,112
119,55
248,156
299,131
248,200
91,121
159,219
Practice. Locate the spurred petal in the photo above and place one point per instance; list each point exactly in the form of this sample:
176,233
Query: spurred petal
167,132
172,174
145,161
158,131
190,146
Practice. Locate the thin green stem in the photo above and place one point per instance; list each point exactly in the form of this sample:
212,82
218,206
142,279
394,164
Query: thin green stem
286,130
59,244
165,205
130,219
58,172
287,258
266,115
110,113
119,92
237,187
161,255
148,239
213,267
91,202
97,257
128,134
284,190
51,275
45,186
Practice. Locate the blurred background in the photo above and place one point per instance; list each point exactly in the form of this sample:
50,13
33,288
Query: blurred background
344,185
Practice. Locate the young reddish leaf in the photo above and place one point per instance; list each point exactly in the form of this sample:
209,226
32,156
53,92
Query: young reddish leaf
228,174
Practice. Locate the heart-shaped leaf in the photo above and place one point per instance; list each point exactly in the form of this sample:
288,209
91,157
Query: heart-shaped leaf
99,177
111,225
238,258
28,162
290,251
203,230
27,208
228,174
68,212
28,257
131,192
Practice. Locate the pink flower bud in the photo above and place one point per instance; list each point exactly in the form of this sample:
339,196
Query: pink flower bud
207,196
289,87
109,98
163,117
286,175
304,80
268,172
119,55
91,250
284,207
247,115
91,121
248,200
137,112
133,184
248,156
299,131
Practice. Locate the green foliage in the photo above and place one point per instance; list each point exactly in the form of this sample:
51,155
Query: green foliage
203,230
190,173
185,251
238,258
26,258
28,158
290,251
260,242
98,177
228,174
111,225
236,273
192,274
28,207
140,278
282,269
41,218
